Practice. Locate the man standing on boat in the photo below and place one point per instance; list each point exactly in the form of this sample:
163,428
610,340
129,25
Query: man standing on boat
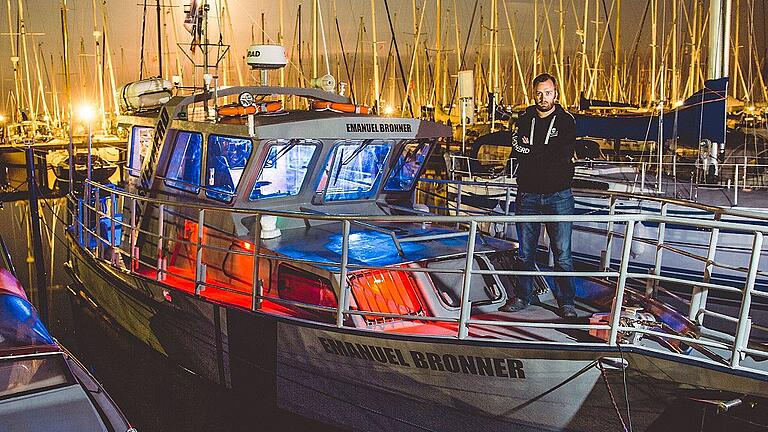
543,142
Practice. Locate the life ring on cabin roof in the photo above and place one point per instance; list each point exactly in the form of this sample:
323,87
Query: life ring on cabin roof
234,110
340,107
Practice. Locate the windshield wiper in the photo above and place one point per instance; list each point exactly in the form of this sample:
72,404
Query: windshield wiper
283,152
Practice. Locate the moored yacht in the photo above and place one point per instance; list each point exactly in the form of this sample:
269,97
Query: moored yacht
281,251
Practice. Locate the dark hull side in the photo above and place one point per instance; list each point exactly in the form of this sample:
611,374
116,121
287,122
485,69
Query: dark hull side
364,381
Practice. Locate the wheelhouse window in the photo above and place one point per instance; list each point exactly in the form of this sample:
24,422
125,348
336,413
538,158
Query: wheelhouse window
408,166
355,169
184,167
285,167
226,160
141,139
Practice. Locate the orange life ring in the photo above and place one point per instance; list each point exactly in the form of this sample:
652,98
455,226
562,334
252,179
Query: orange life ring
340,107
234,110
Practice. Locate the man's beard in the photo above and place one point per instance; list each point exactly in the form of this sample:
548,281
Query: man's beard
547,108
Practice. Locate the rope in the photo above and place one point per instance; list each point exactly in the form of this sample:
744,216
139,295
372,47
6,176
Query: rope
610,394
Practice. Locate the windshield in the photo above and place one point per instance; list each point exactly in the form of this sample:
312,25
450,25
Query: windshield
226,161
355,169
285,166
408,166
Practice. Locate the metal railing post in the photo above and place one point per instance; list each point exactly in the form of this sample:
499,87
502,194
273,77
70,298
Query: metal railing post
134,249
96,224
742,330
736,185
507,203
618,300
112,201
160,233
606,256
458,197
642,177
343,285
466,305
699,294
80,220
257,289
199,268
651,284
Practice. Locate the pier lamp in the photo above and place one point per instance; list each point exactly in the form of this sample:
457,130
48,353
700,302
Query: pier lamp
86,113
389,110
2,119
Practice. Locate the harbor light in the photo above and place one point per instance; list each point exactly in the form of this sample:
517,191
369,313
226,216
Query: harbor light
389,110
86,113
2,118
678,103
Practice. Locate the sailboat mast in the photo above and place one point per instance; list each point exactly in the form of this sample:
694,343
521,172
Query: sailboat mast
654,31
67,88
582,73
736,66
415,61
561,58
23,34
438,64
535,37
280,41
374,51
15,61
489,72
314,39
97,66
159,43
616,52
40,88
108,51
675,73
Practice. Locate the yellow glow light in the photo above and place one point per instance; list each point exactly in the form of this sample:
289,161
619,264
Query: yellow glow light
388,110
678,103
86,113
2,118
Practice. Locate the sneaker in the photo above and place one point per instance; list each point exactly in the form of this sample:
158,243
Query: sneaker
513,306
568,311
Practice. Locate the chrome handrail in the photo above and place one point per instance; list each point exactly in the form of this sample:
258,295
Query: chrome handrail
464,321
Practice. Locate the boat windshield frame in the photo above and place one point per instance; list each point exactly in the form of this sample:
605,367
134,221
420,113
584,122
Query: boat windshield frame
333,169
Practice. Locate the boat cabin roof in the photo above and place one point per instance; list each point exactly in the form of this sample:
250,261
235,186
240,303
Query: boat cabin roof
285,158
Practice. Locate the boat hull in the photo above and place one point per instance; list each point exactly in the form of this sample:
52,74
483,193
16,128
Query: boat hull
382,381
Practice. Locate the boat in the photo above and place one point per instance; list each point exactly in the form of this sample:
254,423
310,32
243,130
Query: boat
283,252
42,386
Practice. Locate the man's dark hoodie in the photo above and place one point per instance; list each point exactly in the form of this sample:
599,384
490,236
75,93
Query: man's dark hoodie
545,164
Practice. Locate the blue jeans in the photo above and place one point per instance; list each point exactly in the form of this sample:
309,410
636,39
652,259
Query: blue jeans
557,203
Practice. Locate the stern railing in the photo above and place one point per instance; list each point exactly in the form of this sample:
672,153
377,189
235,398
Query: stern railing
99,229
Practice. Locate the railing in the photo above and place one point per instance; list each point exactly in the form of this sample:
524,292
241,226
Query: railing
97,226
736,177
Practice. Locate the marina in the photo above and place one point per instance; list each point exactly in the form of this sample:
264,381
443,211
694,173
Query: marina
343,230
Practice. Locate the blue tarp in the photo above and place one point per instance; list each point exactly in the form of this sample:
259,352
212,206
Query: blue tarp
702,116
20,326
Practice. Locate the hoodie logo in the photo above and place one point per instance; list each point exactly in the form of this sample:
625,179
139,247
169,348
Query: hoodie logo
553,133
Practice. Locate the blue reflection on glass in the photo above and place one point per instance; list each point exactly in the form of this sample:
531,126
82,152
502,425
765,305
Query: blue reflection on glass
184,167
